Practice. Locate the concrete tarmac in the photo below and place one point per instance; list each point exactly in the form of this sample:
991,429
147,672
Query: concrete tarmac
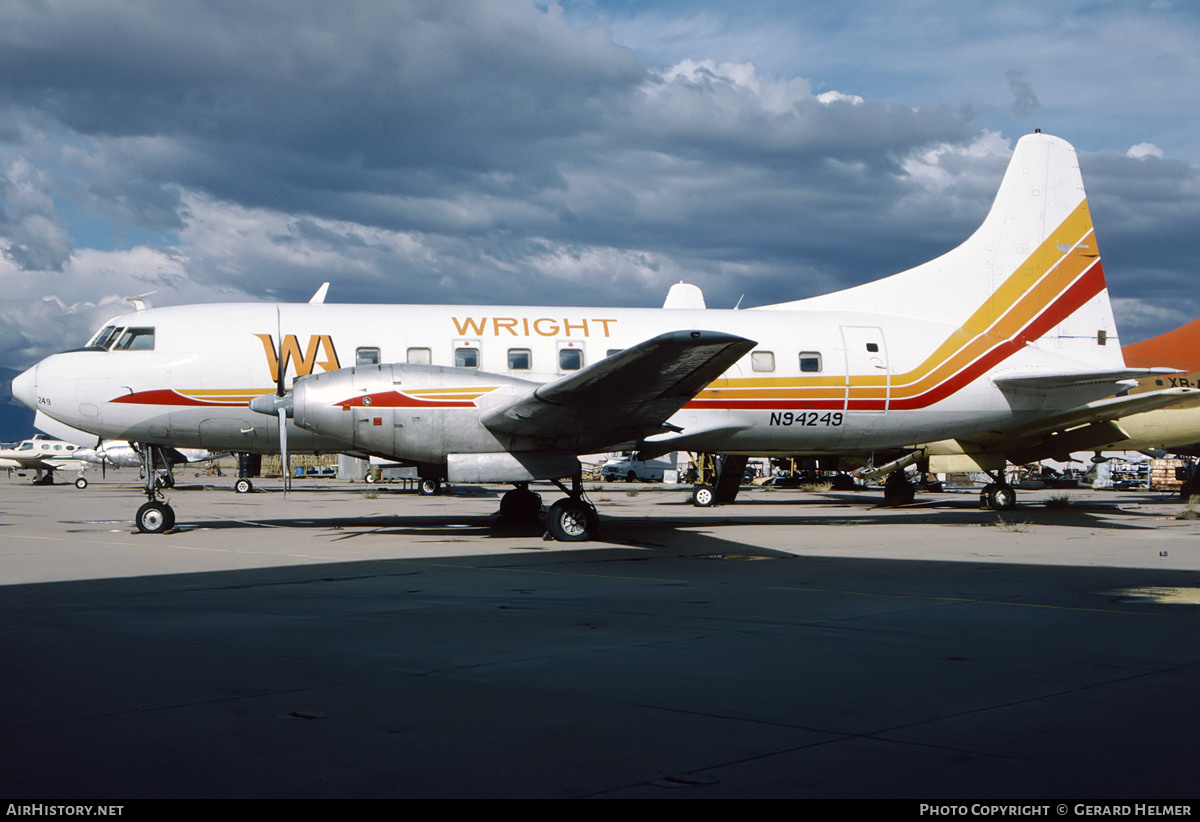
346,640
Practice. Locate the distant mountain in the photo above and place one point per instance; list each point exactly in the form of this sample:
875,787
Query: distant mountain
16,421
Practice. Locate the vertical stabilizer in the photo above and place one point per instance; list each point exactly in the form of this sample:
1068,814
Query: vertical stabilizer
1030,273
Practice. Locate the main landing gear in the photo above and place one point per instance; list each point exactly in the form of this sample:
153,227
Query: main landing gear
998,495
572,519
520,506
155,516
898,489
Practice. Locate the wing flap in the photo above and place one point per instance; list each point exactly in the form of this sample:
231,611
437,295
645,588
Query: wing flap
622,398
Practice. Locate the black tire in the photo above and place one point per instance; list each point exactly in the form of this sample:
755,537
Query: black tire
704,496
243,486
80,483
570,520
1002,498
155,518
520,506
428,487
369,476
985,495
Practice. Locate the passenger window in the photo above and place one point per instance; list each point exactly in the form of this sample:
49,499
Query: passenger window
466,358
873,347
520,359
136,339
762,360
612,351
570,359
419,356
366,356
810,361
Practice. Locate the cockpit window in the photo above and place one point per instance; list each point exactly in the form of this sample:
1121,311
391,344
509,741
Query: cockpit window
136,339
102,336
105,337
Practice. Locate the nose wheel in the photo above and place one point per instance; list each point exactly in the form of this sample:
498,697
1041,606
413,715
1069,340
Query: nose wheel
155,517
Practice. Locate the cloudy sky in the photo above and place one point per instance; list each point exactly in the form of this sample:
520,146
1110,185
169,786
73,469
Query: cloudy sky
585,152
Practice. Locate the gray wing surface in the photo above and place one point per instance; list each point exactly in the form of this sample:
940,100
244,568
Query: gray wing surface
622,398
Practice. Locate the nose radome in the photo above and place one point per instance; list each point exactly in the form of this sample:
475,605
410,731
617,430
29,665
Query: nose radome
24,388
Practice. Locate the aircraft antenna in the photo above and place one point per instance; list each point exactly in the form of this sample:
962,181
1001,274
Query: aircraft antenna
139,300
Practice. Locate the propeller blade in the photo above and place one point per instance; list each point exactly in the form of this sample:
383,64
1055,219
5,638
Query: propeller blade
284,460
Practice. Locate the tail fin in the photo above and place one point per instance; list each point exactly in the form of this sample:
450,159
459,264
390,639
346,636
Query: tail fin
1179,348
1031,272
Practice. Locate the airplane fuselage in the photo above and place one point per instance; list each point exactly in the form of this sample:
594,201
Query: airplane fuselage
816,381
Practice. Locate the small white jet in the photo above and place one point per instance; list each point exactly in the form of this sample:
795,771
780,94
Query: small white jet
1009,328
45,456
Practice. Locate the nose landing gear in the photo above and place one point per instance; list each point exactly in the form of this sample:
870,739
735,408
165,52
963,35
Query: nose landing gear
155,516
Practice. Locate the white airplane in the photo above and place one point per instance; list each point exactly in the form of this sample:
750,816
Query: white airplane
1009,328
45,456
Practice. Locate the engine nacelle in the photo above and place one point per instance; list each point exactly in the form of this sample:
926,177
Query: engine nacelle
412,412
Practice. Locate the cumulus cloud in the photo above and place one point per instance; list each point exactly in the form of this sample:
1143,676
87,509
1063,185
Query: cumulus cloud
1145,150
31,234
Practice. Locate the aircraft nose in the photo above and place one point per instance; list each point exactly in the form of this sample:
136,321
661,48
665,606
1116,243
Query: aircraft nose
24,388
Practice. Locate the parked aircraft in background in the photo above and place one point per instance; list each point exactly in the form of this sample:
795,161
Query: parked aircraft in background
122,454
1008,330
45,456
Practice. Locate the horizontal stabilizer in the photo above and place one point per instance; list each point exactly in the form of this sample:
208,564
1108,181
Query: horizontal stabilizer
1112,408
1041,380
622,398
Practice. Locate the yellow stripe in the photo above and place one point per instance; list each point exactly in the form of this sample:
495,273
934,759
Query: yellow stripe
1023,296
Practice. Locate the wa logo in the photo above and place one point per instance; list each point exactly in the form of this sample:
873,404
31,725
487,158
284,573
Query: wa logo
320,351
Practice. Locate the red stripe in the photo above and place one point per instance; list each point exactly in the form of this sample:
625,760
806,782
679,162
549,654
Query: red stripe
1066,304
395,399
165,396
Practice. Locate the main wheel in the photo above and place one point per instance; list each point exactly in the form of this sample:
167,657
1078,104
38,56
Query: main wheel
1002,498
243,486
570,520
155,517
704,496
81,483
428,487
520,506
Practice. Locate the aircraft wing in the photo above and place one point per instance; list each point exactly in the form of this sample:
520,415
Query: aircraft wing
622,398
39,464
1085,427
